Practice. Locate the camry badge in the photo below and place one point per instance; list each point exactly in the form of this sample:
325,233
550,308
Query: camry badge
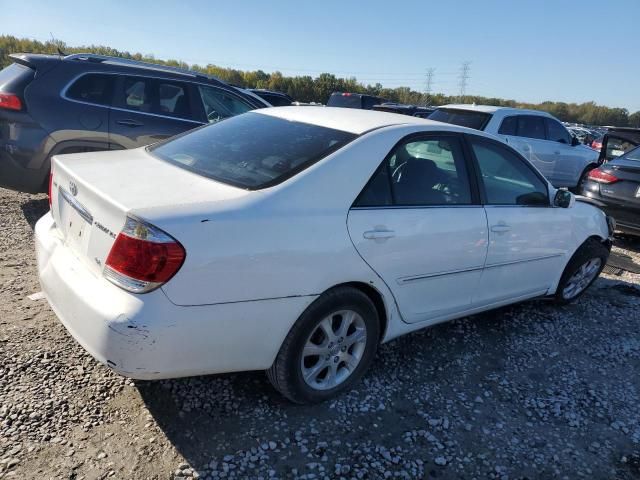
73,188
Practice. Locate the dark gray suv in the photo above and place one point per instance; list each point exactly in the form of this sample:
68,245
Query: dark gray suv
52,105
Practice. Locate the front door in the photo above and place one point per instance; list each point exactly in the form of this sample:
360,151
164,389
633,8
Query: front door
529,240
419,225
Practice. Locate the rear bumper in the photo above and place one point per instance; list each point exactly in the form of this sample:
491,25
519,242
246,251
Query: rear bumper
148,337
627,218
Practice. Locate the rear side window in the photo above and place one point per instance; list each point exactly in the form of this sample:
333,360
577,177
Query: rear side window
137,93
463,118
556,132
509,126
92,88
251,151
219,104
426,171
531,126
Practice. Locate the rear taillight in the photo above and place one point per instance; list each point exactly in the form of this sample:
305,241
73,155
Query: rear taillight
600,176
143,257
50,187
10,101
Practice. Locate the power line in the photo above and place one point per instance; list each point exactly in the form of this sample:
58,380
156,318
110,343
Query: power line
464,78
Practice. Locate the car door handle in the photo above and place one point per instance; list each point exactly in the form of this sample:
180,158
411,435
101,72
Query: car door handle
378,234
129,123
500,228
557,152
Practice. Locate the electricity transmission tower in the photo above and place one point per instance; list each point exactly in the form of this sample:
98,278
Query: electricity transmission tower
463,78
428,84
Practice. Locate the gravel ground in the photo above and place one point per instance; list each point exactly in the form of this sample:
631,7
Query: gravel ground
529,391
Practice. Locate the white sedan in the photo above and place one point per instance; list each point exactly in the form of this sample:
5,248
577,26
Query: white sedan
296,240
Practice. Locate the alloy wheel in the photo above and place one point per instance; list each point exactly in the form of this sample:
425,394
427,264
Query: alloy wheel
333,350
582,278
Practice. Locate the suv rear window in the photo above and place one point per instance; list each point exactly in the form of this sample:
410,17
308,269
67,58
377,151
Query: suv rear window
251,150
463,118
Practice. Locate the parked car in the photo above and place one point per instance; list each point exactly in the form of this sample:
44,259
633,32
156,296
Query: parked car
615,187
537,135
617,141
52,105
297,239
277,99
413,110
353,100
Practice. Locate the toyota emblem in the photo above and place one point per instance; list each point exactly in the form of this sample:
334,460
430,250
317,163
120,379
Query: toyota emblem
73,188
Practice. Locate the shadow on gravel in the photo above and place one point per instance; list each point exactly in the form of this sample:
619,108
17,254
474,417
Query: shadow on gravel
34,209
415,382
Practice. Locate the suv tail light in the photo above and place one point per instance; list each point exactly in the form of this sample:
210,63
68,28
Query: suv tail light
600,176
10,101
143,257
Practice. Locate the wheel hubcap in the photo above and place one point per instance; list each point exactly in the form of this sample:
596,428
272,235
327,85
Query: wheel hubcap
333,350
582,278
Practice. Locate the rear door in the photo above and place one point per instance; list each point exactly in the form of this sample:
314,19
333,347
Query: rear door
419,225
147,110
527,134
87,109
528,238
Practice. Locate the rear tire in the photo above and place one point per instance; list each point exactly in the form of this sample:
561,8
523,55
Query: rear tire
581,271
329,347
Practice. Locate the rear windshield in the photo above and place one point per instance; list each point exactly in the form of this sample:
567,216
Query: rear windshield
345,101
15,77
251,150
463,118
632,155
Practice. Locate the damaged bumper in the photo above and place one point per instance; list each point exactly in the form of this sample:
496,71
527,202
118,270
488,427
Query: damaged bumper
148,337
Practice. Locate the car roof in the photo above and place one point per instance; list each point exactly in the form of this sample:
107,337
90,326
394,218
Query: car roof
493,109
353,120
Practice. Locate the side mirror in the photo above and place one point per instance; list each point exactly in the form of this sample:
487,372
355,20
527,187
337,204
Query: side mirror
563,199
575,141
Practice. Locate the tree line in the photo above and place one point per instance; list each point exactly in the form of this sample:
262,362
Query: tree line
306,88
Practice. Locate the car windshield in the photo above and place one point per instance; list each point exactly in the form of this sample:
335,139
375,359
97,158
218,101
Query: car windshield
251,150
463,118
632,155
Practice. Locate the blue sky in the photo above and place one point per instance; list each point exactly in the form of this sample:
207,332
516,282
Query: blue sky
563,50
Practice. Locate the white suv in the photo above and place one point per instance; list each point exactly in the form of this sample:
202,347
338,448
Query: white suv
537,135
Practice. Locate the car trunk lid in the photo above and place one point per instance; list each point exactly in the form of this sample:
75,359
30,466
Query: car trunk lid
627,188
93,193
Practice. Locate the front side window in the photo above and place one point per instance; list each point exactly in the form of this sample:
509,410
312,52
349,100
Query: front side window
507,179
219,104
429,171
556,132
531,126
252,150
92,88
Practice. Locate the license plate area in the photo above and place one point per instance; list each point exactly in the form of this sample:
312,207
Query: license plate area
75,222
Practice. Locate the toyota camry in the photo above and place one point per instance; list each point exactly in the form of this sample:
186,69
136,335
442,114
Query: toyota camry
296,240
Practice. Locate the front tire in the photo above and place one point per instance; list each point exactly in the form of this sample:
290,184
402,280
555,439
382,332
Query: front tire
581,271
329,348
